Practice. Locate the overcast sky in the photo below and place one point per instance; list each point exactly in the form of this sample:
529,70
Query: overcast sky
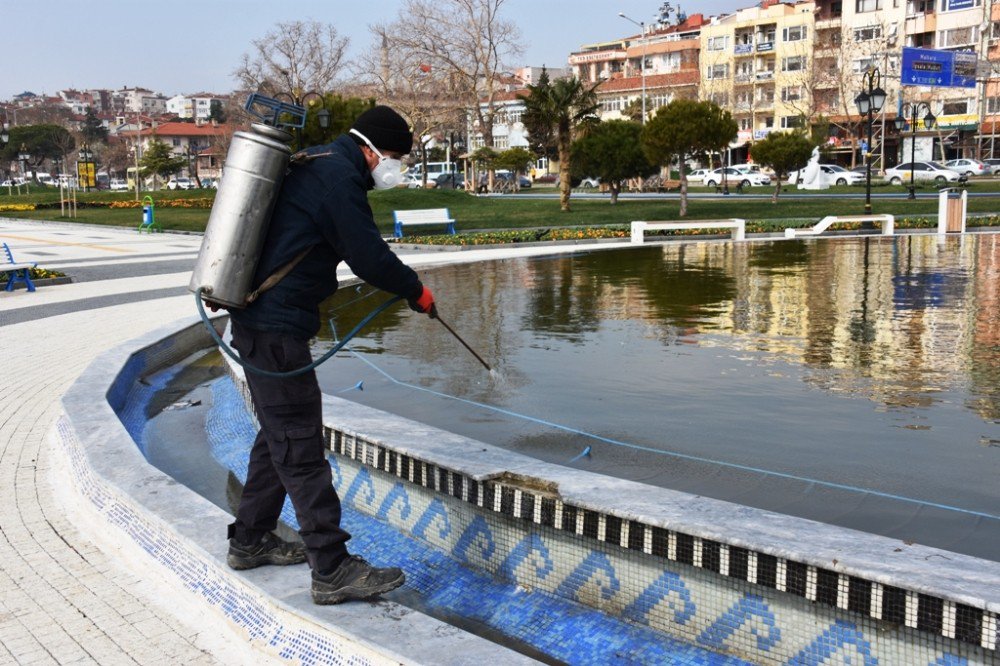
188,46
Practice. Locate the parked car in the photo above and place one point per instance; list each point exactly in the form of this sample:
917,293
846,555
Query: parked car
900,173
968,167
591,182
12,182
117,185
736,177
450,181
993,163
180,184
698,175
832,174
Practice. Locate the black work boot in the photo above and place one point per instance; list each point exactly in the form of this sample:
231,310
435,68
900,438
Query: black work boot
354,579
270,550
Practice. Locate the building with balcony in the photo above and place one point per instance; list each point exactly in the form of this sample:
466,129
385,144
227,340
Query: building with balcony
758,63
663,60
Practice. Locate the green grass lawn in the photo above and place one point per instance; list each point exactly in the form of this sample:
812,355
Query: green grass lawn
481,213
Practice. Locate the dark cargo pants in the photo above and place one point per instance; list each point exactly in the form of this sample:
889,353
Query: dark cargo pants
288,455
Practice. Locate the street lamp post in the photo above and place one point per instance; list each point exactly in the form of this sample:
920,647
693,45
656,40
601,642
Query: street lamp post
870,101
23,156
912,111
4,140
323,115
642,27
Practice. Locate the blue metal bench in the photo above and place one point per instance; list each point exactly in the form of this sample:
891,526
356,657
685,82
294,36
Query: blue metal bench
17,272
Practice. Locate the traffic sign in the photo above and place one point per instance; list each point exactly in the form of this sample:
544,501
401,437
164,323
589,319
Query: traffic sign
945,69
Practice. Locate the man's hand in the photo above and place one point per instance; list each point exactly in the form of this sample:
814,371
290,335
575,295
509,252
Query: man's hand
423,303
215,307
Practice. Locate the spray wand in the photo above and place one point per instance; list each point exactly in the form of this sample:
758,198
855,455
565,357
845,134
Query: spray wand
435,315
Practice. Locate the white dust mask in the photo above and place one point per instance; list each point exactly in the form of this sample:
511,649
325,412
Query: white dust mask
388,173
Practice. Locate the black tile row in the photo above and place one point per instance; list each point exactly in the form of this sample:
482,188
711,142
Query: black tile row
882,602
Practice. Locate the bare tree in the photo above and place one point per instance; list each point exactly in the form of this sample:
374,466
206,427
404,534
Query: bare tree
293,58
426,96
465,43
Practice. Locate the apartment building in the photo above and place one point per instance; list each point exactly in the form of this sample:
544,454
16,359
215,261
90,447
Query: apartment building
664,61
778,65
758,63
138,100
197,106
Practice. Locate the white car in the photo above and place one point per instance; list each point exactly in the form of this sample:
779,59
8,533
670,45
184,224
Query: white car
117,185
832,174
592,182
968,167
180,184
735,176
900,174
698,175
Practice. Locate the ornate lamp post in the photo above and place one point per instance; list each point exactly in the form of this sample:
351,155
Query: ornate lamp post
323,115
870,101
645,42
912,111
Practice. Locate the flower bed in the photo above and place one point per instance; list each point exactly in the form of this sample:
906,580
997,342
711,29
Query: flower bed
35,274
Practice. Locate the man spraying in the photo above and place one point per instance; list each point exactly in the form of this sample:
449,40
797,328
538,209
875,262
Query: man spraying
321,217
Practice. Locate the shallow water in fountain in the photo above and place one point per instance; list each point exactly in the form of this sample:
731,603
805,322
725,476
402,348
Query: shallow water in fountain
854,381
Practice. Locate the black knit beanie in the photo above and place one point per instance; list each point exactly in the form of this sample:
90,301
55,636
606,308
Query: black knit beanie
386,129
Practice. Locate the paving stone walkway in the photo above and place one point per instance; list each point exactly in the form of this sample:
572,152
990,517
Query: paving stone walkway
63,600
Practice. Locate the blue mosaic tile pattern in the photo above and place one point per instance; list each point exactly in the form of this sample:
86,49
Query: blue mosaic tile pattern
508,539
550,623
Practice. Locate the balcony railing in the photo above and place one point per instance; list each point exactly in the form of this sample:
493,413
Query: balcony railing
743,49
765,75
744,77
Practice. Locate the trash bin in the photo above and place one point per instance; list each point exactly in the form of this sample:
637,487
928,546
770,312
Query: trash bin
148,215
952,207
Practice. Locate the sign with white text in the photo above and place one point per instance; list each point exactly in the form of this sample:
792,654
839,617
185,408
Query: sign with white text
943,69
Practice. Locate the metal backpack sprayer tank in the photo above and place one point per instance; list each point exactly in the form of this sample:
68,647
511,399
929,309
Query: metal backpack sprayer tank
255,166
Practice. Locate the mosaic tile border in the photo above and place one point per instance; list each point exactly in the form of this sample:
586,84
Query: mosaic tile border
888,603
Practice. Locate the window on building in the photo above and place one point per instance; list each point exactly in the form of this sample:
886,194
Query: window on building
956,107
720,71
175,142
719,43
919,7
862,65
720,99
767,122
795,33
793,64
765,97
923,40
867,5
993,105
958,36
791,94
746,123
791,122
867,33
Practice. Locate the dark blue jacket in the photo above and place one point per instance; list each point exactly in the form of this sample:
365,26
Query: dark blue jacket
322,204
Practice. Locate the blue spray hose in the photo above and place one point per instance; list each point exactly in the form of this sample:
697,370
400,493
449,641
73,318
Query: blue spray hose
290,373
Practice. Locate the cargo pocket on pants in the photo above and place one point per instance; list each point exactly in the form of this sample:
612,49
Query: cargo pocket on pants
299,446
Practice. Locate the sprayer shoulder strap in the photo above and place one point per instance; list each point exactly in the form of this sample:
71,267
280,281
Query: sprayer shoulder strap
277,276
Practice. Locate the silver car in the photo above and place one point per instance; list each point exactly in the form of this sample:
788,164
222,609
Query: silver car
968,167
933,171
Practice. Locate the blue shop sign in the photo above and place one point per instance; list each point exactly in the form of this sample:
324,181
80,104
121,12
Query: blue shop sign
960,4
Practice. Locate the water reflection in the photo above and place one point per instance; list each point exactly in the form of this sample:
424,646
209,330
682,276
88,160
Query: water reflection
872,362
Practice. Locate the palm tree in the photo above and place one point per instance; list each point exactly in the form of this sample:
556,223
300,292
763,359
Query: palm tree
561,105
